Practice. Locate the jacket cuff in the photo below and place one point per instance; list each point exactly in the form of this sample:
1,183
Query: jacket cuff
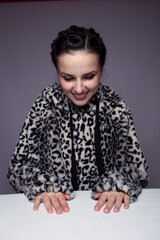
54,185
128,187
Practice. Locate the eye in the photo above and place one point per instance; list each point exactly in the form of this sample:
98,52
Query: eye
68,78
89,76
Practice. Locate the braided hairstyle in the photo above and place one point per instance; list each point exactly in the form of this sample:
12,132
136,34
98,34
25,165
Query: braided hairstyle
78,38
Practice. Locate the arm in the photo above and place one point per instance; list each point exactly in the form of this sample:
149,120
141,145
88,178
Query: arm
33,167
129,171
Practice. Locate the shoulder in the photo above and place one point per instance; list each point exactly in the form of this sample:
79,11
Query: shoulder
115,109
111,100
46,102
52,96
52,92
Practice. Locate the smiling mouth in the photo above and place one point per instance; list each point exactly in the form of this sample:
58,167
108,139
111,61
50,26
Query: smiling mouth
80,97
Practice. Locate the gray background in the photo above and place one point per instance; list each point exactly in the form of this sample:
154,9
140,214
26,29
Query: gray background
131,32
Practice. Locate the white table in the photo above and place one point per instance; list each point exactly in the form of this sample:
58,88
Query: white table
141,222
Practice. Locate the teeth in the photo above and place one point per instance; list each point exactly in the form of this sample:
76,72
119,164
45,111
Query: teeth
80,96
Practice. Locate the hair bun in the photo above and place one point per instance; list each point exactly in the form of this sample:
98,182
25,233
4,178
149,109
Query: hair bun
75,40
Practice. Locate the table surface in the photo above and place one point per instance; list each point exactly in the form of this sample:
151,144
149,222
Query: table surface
141,222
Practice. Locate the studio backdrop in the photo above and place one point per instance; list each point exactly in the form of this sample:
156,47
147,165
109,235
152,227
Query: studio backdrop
131,32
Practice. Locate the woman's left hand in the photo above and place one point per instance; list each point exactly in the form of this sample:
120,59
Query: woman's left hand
113,198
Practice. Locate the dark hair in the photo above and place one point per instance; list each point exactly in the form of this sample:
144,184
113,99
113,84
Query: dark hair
78,38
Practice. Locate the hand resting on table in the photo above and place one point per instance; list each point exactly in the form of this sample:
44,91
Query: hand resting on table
113,198
58,201
51,200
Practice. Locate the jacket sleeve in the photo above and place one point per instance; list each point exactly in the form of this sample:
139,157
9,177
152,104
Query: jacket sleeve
33,167
129,170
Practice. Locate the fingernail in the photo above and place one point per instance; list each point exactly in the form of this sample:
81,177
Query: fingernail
50,211
106,211
59,212
96,208
116,210
66,210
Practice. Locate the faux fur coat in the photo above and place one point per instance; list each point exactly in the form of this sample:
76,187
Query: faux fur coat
42,158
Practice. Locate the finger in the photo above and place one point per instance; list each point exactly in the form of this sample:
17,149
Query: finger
37,203
67,197
126,201
101,201
110,203
56,204
118,203
63,203
47,203
97,195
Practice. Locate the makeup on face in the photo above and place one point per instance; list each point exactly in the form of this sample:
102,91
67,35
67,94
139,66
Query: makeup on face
79,76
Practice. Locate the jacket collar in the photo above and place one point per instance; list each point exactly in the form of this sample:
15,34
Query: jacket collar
106,96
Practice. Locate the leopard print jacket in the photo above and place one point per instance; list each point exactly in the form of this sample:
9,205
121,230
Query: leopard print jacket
42,158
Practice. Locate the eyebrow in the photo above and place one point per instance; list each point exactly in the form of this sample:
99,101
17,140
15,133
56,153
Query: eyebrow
92,72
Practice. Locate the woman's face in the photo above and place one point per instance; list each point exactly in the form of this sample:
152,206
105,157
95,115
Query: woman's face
79,74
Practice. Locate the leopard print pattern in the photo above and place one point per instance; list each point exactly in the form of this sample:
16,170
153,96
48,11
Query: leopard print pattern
42,157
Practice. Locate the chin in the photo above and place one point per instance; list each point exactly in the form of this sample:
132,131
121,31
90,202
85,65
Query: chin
79,103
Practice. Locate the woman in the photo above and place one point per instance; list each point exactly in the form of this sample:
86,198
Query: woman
79,135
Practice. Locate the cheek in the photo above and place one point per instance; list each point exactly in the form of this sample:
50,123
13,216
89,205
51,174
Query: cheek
93,85
66,86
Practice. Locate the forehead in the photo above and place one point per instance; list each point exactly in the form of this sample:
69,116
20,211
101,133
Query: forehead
78,62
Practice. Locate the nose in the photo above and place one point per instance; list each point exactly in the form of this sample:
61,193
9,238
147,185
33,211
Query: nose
78,86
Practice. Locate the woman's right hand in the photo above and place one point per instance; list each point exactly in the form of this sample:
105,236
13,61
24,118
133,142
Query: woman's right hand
51,200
